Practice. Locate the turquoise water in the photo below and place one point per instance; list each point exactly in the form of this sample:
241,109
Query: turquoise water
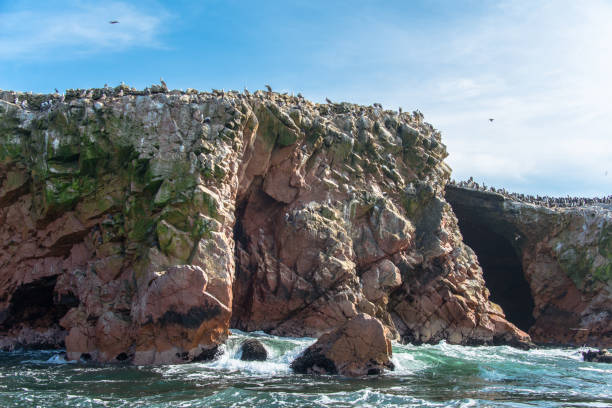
431,376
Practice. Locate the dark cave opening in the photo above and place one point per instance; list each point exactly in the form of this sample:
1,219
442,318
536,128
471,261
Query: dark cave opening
34,305
254,214
502,269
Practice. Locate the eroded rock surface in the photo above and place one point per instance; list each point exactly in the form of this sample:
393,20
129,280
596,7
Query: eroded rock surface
358,347
564,254
138,225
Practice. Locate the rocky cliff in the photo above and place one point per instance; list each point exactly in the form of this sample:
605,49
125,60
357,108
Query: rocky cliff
549,268
140,226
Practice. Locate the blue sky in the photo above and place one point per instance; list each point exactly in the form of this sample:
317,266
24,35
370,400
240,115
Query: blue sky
540,68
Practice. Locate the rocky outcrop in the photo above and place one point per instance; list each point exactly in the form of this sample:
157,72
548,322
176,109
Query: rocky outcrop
358,347
139,225
564,256
253,350
601,356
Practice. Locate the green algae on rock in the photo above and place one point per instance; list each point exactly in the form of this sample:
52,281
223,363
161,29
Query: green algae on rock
158,219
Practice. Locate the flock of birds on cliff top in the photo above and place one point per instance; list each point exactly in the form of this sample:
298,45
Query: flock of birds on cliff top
124,89
545,201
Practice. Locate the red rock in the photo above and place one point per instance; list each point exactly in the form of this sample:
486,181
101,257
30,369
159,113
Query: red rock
358,347
273,214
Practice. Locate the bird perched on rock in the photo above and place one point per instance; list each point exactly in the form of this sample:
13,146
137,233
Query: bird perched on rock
56,91
328,101
163,83
400,110
269,88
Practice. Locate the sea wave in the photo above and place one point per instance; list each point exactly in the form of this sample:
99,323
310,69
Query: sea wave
438,375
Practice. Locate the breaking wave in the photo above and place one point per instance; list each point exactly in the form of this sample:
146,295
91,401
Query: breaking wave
440,375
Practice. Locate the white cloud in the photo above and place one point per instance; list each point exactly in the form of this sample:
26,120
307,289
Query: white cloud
51,31
550,100
540,69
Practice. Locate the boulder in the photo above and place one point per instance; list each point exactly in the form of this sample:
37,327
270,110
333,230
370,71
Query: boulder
601,356
253,350
358,347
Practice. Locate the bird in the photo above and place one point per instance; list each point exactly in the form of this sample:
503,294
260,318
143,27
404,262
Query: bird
56,91
269,88
328,101
163,83
113,22
491,119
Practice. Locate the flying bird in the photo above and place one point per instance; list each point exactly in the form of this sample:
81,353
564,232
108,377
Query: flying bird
113,22
491,119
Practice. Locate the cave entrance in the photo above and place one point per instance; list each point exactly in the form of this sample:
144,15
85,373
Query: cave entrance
33,305
502,270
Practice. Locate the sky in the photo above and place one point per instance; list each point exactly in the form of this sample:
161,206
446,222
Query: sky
541,69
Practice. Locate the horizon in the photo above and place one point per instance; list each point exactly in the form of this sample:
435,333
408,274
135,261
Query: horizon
540,71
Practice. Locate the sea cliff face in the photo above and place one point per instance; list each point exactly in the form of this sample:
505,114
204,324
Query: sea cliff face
563,254
140,226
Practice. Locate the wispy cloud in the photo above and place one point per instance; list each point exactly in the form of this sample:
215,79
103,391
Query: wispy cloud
540,69
78,28
547,63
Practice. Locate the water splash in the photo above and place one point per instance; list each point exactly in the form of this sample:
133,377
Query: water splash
440,375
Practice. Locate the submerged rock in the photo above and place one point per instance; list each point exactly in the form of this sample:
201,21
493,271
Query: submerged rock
253,350
358,347
601,356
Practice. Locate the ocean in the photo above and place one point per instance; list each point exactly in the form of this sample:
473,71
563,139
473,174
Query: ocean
440,375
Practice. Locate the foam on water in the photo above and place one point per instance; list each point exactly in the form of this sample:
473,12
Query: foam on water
439,375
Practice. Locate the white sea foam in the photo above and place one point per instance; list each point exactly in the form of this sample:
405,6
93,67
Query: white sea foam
59,359
441,375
